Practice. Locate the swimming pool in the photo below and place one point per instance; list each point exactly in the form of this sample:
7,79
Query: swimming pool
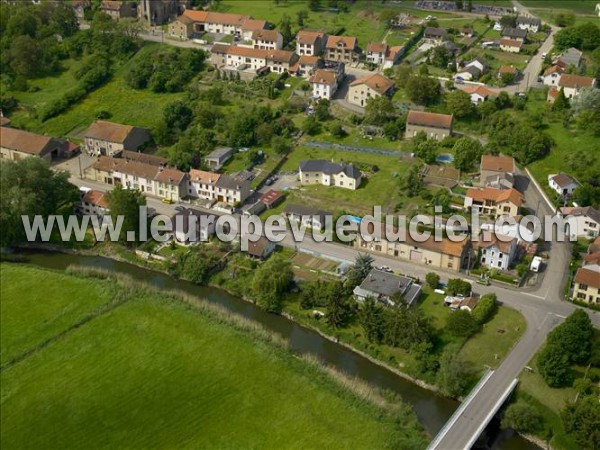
445,158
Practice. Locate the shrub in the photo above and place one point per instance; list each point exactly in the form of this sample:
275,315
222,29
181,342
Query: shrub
521,417
433,280
485,309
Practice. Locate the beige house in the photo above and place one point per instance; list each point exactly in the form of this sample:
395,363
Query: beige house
310,43
586,285
493,201
436,126
584,221
341,48
147,178
217,187
110,139
193,22
267,40
306,65
280,61
328,173
370,86
17,144
511,45
572,84
445,255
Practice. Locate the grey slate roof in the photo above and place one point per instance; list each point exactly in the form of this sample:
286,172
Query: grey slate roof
528,21
571,57
432,31
387,284
513,33
328,167
220,152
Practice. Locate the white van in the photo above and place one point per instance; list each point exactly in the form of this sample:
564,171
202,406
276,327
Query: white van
536,263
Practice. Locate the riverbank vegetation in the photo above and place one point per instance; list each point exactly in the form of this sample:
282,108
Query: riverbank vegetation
143,374
556,399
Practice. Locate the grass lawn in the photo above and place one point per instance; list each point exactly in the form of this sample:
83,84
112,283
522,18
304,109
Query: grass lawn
129,106
36,305
565,141
497,58
155,373
377,188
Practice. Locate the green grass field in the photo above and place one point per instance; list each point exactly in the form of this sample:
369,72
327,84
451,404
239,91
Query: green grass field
130,106
156,373
37,305
574,6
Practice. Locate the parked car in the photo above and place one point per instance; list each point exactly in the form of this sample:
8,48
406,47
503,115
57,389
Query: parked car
180,208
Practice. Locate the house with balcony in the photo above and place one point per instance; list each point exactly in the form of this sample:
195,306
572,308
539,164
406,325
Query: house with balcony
494,202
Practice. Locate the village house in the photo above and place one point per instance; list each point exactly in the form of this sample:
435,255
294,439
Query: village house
570,57
191,226
261,249
388,289
192,23
515,34
376,52
306,216
238,57
17,144
479,94
79,6
493,202
119,9
583,222
167,183
467,32
109,139
218,157
445,254
472,70
393,56
306,66
324,83
552,75
494,165
217,187
436,126
529,24
511,45
310,43
267,40
280,61
92,203
370,86
435,36
328,173
497,251
586,285
341,48
562,184
573,84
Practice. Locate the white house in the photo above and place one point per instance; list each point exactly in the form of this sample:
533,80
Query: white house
217,187
582,221
511,45
562,184
376,52
497,251
572,84
191,226
479,93
267,40
324,83
529,23
552,75
93,203
306,215
310,42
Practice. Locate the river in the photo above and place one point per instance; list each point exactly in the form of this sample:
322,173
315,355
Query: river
432,409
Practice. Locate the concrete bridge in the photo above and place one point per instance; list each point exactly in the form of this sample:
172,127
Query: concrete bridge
474,413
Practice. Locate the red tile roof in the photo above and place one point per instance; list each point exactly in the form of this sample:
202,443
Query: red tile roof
377,82
498,163
588,276
347,41
575,81
308,37
480,90
323,76
377,47
511,43
427,119
95,198
495,195
271,197
108,131
24,141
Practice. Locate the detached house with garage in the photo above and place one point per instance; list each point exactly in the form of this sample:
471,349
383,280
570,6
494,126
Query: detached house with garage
371,86
435,36
342,48
328,173
388,288
436,126
104,138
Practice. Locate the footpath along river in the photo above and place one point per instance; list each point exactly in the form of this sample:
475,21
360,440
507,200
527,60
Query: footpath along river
432,409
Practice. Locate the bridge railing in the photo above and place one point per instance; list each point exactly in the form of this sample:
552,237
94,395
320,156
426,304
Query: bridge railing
486,376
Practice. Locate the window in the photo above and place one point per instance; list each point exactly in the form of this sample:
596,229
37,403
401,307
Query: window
583,287
499,263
